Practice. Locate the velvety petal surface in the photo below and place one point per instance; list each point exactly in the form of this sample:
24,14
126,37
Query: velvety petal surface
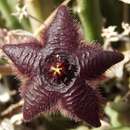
36,99
26,57
83,102
56,71
63,32
94,60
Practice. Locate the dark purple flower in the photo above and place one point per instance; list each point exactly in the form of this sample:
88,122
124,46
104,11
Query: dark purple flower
58,71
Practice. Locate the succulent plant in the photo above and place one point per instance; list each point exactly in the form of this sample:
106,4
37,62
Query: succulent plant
58,70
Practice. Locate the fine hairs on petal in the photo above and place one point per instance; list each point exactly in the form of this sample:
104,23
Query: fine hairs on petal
59,71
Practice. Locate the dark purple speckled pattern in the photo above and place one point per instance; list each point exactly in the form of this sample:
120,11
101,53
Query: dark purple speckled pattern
68,89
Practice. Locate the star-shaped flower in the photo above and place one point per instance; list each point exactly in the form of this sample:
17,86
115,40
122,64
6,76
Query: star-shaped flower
58,71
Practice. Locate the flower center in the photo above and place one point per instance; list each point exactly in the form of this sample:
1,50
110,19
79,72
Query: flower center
59,69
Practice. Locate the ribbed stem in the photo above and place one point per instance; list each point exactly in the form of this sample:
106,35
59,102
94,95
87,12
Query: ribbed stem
90,16
39,9
11,21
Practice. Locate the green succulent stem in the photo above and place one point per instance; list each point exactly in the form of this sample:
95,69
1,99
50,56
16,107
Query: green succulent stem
6,11
38,9
90,17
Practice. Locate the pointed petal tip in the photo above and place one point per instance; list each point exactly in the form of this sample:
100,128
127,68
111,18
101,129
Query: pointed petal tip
11,51
6,48
63,11
26,118
121,56
28,113
118,56
62,8
96,123
93,120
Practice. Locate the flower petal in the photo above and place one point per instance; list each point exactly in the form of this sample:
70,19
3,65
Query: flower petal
94,61
62,32
36,100
24,56
83,102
